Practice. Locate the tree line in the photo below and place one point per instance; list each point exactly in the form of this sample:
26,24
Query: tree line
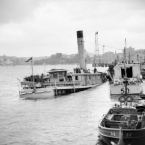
59,58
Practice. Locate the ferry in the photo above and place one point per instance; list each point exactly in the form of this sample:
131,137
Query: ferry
59,82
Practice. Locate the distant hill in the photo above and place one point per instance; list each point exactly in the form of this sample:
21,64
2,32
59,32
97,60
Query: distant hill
59,58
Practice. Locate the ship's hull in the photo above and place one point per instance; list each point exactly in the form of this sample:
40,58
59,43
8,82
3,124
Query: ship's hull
52,92
131,89
130,136
41,93
110,141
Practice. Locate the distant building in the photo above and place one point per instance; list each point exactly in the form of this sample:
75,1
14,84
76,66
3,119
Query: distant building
8,62
1,61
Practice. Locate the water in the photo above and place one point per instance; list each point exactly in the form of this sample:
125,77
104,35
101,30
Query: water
67,120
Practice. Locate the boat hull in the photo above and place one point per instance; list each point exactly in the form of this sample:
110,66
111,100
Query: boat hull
110,141
38,94
132,89
52,92
130,136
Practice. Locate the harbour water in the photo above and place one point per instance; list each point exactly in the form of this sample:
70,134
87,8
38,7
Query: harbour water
66,120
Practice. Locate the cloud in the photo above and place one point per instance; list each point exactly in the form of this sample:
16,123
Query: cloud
17,10
45,27
44,34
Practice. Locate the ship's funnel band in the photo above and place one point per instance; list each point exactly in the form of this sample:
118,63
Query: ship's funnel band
79,34
80,41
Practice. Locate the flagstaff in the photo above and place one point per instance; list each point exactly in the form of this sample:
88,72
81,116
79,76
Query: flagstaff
31,59
32,72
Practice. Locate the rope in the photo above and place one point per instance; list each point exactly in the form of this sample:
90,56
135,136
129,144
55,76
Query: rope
104,45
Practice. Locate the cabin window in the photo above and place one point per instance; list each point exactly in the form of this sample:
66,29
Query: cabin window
128,71
61,80
69,78
76,77
61,73
55,75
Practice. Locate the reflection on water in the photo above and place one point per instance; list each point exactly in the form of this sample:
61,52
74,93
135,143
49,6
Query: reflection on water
67,120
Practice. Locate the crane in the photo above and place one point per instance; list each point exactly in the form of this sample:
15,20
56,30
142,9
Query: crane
96,52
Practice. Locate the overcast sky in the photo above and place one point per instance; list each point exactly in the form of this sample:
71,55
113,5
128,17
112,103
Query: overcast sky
44,27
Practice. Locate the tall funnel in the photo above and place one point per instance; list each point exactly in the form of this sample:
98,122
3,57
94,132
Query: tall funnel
81,50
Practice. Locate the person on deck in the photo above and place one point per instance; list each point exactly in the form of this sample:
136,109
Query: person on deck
140,78
143,120
95,70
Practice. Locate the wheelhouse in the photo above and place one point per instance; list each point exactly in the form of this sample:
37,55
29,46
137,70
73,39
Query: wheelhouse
132,70
58,75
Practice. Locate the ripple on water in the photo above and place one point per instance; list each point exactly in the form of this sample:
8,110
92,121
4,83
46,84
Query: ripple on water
66,120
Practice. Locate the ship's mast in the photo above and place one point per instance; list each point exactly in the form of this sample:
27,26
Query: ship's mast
144,55
96,44
125,61
103,48
103,52
129,57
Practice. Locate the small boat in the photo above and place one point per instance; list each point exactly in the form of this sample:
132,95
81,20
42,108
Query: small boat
124,124
59,82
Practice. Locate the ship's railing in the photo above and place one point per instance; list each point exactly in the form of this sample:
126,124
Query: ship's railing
51,84
61,84
131,81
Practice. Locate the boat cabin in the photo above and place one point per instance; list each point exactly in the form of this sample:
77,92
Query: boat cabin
61,75
132,70
85,79
58,75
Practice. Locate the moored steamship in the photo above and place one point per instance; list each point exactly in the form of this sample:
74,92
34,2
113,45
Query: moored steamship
59,82
134,86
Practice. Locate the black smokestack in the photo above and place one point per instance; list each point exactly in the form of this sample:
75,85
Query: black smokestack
81,51
79,34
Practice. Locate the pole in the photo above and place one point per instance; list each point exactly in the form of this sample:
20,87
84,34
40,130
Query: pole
129,57
103,53
96,53
103,48
144,55
74,84
137,57
32,71
125,58
125,81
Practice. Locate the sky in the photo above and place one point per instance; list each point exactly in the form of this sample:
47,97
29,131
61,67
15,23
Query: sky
45,27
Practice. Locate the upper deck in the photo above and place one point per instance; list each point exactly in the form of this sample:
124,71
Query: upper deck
132,70
82,78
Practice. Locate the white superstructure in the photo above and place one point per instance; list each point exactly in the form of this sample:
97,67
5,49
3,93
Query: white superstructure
134,85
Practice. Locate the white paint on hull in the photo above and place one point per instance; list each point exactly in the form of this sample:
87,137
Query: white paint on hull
49,93
119,89
38,94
